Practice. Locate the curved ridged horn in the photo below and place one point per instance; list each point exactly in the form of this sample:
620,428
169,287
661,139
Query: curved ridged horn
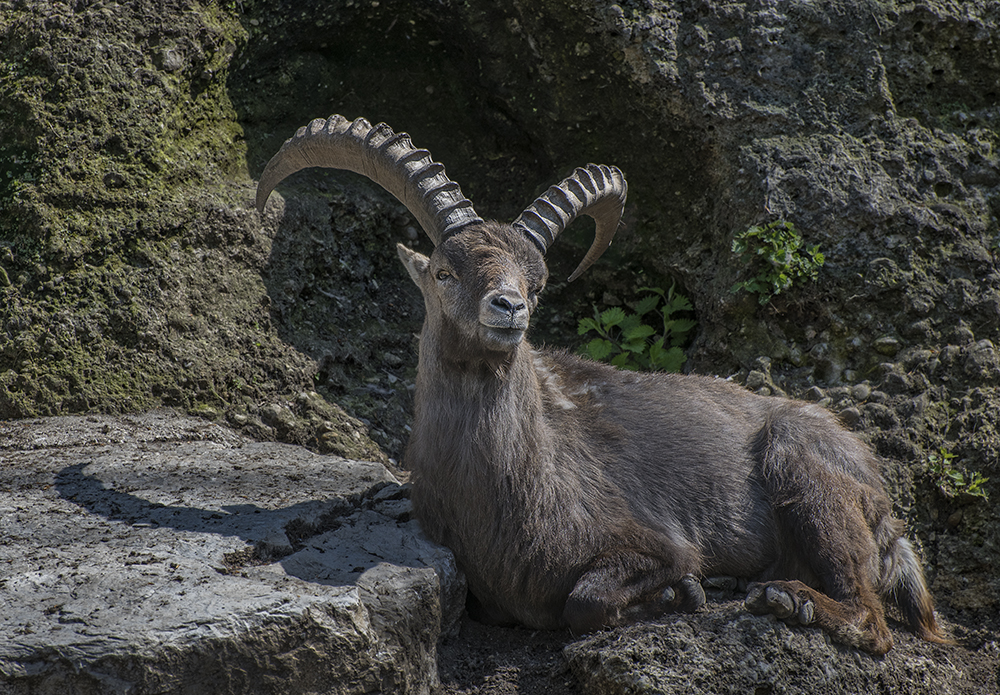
389,159
595,190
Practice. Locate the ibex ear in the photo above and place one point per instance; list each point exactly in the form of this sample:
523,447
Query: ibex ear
417,264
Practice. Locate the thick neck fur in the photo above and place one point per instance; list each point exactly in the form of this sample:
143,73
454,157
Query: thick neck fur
490,403
478,446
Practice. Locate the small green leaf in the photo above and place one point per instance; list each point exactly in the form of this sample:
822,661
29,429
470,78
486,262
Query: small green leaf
636,346
646,304
630,322
669,360
679,327
622,361
600,349
656,350
612,316
586,325
639,332
680,303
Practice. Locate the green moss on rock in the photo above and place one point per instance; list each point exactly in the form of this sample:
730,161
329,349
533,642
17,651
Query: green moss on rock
132,260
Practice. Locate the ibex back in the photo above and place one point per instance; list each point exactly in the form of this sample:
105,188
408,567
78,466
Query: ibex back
574,494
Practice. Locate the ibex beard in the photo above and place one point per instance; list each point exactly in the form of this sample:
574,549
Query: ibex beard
576,495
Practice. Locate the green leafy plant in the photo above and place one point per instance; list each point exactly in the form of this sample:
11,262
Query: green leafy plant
648,338
778,256
954,482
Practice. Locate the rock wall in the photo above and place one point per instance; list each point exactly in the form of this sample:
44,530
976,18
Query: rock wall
134,272
133,267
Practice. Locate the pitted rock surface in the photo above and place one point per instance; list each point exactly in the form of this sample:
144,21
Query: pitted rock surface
158,553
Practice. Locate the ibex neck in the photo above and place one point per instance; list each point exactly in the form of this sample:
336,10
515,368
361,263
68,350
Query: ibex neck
478,415
482,379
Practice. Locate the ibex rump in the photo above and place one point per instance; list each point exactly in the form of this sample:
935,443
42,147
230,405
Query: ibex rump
574,494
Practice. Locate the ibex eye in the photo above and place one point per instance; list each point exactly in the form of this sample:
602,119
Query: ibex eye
443,275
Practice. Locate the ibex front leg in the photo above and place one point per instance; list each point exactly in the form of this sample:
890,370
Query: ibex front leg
629,586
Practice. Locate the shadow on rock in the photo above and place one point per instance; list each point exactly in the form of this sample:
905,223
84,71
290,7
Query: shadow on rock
165,554
331,541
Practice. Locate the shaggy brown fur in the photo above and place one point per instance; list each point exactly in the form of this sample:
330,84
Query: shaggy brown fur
575,494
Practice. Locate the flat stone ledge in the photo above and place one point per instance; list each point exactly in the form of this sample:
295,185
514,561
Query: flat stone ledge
159,553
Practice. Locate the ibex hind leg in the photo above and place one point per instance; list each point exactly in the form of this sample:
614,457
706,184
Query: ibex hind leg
827,499
841,555
859,623
629,587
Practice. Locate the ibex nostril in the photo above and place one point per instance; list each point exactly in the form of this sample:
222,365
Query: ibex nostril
508,304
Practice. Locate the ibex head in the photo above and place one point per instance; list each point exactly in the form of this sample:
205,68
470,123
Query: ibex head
481,284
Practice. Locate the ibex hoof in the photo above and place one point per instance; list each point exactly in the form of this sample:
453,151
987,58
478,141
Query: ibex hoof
781,603
686,596
692,593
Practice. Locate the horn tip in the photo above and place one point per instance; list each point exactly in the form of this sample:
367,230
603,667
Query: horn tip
264,191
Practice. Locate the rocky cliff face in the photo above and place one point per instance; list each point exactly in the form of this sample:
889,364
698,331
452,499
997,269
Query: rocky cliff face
134,272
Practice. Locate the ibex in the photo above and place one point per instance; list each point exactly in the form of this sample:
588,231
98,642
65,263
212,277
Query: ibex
574,494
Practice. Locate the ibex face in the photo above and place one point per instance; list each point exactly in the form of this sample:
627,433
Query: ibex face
481,284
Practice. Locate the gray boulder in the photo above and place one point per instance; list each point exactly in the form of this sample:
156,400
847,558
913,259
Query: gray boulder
164,554
727,650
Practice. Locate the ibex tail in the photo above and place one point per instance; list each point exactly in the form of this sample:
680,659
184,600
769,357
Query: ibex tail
903,583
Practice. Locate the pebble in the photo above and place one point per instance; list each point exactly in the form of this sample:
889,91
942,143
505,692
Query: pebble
756,379
887,345
850,416
392,359
861,392
962,334
172,60
796,357
815,393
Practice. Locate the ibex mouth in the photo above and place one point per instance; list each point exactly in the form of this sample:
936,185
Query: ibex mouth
503,318
502,336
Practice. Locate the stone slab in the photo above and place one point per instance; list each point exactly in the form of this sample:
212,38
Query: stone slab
164,554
